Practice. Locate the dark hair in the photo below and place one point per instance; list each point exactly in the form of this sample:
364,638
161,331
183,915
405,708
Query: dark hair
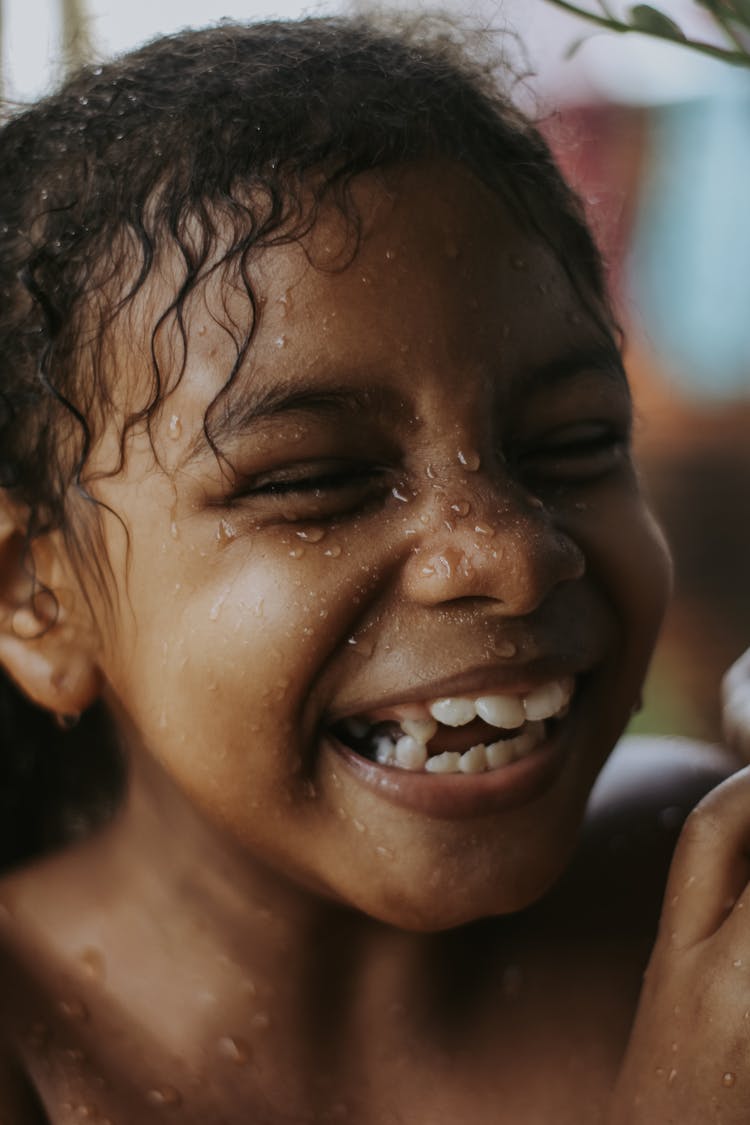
219,129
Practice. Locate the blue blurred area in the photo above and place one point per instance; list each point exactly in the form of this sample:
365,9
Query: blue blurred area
690,264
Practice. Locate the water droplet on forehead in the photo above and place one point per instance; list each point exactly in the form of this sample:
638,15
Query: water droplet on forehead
470,459
175,426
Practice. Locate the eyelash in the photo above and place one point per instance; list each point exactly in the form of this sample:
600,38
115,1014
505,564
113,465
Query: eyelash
314,493
576,454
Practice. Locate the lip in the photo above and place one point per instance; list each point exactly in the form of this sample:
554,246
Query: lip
518,680
458,797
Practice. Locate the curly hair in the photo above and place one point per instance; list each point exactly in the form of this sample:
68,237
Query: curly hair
244,129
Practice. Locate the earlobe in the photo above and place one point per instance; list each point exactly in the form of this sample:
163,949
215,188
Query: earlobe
46,641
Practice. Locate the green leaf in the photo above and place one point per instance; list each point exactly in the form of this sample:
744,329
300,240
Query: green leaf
644,17
741,10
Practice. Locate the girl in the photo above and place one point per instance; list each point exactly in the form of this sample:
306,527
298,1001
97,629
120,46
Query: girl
319,508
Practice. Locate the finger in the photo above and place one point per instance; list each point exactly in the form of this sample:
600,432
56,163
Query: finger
711,865
735,691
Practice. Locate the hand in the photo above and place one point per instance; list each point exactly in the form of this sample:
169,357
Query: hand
688,1061
735,692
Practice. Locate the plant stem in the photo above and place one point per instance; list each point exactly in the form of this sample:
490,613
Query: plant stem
740,57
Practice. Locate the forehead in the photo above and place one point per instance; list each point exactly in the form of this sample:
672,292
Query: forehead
426,270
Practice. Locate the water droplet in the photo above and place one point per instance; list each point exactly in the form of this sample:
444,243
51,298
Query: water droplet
470,460
738,963
461,507
97,70
201,330
384,853
361,645
83,100
505,649
427,571
93,963
225,533
164,1097
728,1078
261,1021
333,552
174,530
671,1076
517,262
390,255
444,567
399,495
234,1050
358,825
296,552
74,1010
216,608
280,341
482,529
175,426
312,534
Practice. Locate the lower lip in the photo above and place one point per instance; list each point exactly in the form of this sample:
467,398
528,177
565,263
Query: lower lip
458,796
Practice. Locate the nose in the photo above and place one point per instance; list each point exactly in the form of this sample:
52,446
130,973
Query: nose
503,547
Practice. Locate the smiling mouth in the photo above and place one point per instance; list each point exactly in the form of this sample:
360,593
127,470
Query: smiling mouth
466,735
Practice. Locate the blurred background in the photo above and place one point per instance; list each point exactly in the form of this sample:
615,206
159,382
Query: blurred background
657,140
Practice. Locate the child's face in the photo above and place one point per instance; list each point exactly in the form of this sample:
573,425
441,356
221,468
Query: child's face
432,498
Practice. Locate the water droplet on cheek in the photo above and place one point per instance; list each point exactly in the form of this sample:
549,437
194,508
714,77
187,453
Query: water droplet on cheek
234,1050
164,1097
470,459
175,427
74,1010
225,533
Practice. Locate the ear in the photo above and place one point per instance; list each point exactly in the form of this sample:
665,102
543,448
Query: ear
48,643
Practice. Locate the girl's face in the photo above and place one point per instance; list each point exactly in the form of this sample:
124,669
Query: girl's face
431,496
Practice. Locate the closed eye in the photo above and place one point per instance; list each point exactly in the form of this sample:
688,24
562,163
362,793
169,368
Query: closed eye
311,491
577,453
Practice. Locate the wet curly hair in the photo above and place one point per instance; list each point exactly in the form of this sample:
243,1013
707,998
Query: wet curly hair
244,129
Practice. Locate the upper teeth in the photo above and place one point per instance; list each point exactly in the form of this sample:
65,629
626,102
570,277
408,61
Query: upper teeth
504,711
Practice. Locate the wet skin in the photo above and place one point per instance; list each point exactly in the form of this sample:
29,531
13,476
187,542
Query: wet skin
309,585
431,493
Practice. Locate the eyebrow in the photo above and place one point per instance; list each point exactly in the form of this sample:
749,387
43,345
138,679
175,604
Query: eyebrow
248,407
601,359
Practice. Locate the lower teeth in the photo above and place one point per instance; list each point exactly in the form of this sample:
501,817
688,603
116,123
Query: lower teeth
409,754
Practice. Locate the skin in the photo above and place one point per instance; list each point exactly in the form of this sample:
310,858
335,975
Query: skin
460,513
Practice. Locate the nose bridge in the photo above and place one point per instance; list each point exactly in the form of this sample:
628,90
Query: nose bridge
483,538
